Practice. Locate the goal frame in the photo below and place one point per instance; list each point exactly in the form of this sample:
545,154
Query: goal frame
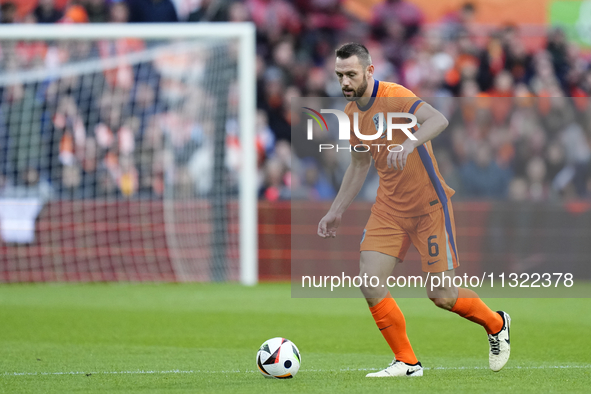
244,32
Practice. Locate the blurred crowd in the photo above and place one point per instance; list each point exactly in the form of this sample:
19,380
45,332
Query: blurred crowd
519,124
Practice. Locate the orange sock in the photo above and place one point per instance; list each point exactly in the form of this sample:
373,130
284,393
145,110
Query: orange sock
392,325
470,306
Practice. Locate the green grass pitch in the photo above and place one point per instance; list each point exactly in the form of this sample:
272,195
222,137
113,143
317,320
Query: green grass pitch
198,338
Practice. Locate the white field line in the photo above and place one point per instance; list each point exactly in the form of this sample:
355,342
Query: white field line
178,371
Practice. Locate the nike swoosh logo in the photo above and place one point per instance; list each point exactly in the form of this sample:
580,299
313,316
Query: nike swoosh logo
409,372
382,329
431,263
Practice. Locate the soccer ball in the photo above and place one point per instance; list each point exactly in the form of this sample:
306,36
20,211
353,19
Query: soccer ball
278,358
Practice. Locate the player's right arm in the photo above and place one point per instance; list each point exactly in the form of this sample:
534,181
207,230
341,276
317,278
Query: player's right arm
350,187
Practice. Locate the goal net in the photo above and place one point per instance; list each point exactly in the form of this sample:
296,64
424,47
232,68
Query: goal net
127,153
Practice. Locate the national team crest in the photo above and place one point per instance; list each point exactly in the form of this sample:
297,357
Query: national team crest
376,123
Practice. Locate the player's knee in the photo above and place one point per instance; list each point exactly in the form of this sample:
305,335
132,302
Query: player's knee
370,292
444,303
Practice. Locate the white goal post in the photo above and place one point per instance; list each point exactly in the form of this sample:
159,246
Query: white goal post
244,34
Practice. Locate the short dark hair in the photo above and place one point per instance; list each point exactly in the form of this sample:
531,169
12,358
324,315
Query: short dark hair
469,6
354,49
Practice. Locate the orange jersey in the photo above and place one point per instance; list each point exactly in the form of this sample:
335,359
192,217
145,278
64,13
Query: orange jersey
419,188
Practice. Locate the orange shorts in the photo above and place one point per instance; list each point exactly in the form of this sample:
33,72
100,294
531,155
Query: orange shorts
433,234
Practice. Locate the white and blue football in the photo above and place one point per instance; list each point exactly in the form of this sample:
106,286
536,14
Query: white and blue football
278,358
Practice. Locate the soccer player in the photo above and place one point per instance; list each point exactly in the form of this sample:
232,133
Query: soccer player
412,206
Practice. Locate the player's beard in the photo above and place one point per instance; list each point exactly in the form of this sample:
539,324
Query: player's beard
357,93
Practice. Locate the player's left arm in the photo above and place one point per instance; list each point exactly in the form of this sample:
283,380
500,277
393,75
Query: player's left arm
432,123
